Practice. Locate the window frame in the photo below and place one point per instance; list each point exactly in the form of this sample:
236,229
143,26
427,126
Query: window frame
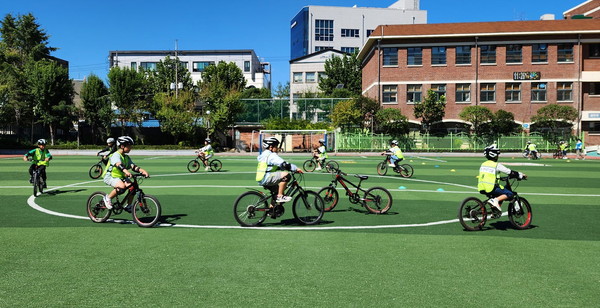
514,56
438,55
298,80
324,30
314,77
390,56
389,94
413,91
510,91
195,68
416,54
539,54
487,53
437,88
564,91
565,54
487,92
540,91
463,93
462,55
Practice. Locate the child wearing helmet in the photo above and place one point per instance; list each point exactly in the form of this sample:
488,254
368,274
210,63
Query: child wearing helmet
111,147
40,159
268,172
395,152
205,153
531,150
116,173
489,172
320,154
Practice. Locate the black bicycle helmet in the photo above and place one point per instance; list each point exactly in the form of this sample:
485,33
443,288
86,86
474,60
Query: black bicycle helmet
125,140
491,152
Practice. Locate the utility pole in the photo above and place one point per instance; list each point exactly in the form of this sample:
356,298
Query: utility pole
176,71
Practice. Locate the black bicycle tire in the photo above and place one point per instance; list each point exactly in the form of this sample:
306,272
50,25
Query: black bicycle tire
382,168
300,206
482,218
512,216
91,215
93,169
35,183
215,165
332,165
334,198
309,165
407,171
193,165
137,209
379,209
260,218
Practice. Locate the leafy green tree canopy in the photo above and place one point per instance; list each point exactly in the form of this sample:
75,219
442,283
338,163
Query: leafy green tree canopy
96,106
432,109
346,114
392,122
476,115
344,71
126,92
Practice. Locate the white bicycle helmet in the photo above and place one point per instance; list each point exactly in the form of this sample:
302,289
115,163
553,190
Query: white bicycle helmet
322,141
491,152
110,140
271,141
207,139
41,142
394,142
125,140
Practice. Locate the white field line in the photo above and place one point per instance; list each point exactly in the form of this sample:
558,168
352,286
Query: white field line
427,158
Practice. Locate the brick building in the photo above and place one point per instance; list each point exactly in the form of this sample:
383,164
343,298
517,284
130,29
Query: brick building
517,66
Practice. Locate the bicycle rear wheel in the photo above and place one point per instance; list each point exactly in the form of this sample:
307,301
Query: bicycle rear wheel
95,171
193,165
406,171
147,212
332,165
215,165
309,165
472,214
382,168
37,185
330,197
250,209
308,207
96,210
378,200
520,214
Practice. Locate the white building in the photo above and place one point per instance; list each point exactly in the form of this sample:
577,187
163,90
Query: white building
257,73
315,28
306,71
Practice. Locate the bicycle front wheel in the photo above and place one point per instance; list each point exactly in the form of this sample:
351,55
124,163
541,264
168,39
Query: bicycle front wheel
146,213
37,184
96,210
382,168
215,165
193,165
310,165
406,171
95,171
308,208
378,200
519,213
330,197
332,165
472,214
250,209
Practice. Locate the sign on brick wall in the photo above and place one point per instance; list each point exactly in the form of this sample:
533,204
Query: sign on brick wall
526,75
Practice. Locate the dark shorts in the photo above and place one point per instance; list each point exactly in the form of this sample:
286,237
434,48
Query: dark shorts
502,191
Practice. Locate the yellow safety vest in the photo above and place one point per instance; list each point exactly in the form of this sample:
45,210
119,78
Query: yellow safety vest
116,172
39,158
487,176
397,152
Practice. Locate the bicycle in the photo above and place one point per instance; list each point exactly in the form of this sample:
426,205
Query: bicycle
558,154
97,169
38,182
251,208
405,170
145,209
377,200
474,213
194,165
529,154
311,164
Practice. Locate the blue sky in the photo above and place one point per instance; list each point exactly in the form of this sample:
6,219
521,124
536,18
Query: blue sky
85,31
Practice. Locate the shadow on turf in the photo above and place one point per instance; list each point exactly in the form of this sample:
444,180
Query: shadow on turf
502,226
58,191
170,219
362,211
294,222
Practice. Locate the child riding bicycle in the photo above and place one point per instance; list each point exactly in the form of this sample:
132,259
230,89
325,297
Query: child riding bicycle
116,174
320,154
395,152
531,149
205,153
111,147
40,159
269,163
488,178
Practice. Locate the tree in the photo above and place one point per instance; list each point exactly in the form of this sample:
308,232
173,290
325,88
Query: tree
177,115
431,109
346,114
554,120
282,91
392,122
126,88
503,124
476,115
253,92
51,92
368,108
163,78
345,71
97,108
25,36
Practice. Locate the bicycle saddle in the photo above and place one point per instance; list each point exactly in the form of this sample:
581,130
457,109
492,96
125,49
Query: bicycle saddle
362,177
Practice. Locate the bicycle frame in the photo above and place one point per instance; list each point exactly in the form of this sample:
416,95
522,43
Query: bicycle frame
343,181
133,189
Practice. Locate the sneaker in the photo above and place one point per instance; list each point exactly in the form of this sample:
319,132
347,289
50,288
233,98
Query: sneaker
564,157
107,202
495,205
206,169
318,168
281,199
391,165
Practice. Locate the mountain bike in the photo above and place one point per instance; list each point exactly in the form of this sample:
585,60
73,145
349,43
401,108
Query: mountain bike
97,169
194,164
474,213
405,170
377,200
311,164
251,208
145,209
38,182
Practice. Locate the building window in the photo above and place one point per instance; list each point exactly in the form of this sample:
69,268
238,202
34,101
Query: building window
134,66
183,64
310,77
594,50
438,55
319,48
488,92
463,54
514,54
323,30
350,49
564,91
538,92
439,89
413,93
322,75
246,66
390,94
539,53
369,31
350,33
201,66
513,92
488,54
390,56
148,66
463,92
297,77
565,52
415,56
